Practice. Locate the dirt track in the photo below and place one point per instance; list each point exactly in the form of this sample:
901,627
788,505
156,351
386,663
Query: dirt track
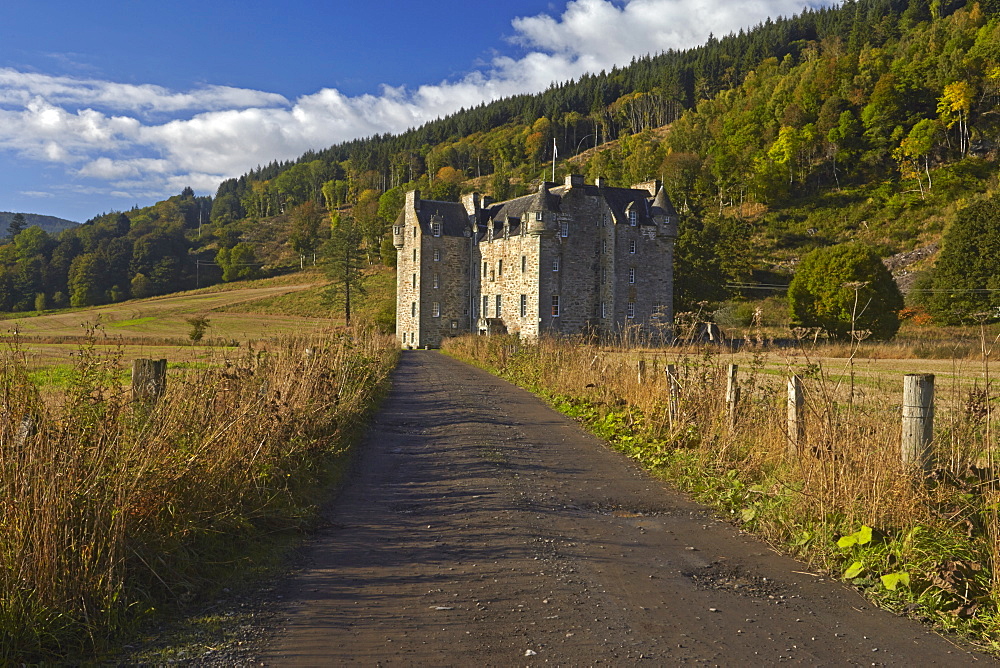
482,528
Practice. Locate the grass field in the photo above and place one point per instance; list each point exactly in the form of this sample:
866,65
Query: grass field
239,314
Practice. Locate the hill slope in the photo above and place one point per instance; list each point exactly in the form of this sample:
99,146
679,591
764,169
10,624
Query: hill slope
50,224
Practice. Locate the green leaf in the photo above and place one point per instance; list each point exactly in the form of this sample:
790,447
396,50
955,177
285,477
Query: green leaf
854,570
803,539
862,536
893,580
748,514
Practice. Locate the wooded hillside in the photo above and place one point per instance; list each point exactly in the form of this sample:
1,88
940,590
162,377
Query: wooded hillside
874,121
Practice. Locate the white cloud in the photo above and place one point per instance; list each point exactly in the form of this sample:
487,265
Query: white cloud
106,131
22,87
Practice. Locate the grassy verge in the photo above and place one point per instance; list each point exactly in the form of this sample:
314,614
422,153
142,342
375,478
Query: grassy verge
845,503
114,512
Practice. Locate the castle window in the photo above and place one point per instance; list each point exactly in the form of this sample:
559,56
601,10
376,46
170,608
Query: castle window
437,281
604,245
485,268
630,310
564,228
604,220
632,218
538,216
414,254
397,230
414,231
454,324
631,246
493,275
436,229
436,310
555,306
499,267
604,275
499,303
437,254
631,275
414,281
413,309
524,305
604,310
486,306
524,263
555,264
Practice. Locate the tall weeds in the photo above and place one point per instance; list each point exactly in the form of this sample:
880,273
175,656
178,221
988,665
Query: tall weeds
842,498
110,508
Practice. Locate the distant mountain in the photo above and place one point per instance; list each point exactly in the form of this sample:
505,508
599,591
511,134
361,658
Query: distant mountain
50,224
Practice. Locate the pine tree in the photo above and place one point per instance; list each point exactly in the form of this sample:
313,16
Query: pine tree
344,263
17,225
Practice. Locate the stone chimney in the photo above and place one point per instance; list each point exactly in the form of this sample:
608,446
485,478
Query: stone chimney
652,187
471,202
413,200
574,180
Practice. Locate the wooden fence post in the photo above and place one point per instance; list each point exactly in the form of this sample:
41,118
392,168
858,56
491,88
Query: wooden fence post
149,379
673,394
918,419
642,371
732,392
796,416
25,430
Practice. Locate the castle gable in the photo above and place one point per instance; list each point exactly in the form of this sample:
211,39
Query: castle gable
452,215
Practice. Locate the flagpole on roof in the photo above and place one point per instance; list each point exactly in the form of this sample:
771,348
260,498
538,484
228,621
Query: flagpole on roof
555,152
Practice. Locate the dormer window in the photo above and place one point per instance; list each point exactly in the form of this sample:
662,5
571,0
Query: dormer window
436,229
564,228
633,218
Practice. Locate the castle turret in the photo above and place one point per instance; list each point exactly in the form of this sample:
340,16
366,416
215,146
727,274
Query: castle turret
664,214
540,214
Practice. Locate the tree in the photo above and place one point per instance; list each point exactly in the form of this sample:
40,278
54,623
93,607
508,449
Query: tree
845,290
344,263
238,262
16,226
953,107
199,325
967,271
86,280
305,224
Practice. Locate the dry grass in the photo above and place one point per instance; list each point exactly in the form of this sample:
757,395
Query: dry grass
111,508
942,531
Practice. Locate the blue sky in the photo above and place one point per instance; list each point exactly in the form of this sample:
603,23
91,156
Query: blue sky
124,102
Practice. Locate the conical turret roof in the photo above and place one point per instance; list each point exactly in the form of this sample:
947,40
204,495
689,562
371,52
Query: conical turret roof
662,205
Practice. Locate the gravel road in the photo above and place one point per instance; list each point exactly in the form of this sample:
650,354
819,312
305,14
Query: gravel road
481,528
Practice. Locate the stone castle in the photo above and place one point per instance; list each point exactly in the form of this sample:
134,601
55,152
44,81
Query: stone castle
568,259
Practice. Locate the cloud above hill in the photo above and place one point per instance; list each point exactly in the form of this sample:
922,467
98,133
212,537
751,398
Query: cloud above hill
145,141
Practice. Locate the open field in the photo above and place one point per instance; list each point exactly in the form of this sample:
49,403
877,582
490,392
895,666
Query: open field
158,328
239,314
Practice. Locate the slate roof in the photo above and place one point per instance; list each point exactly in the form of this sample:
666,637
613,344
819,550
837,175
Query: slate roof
455,217
547,198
